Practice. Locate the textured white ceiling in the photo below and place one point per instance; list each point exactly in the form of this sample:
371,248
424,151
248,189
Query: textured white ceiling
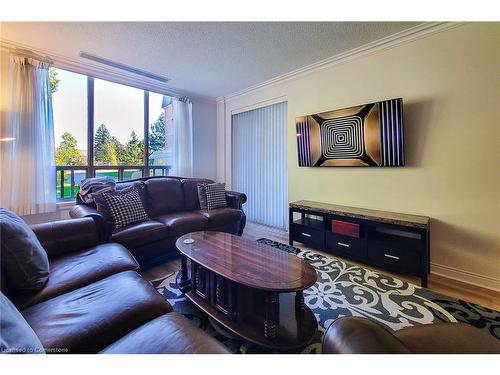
207,58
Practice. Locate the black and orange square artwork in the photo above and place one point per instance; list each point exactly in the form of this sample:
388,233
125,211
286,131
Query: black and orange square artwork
362,136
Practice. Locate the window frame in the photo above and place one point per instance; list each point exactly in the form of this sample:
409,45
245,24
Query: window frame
91,168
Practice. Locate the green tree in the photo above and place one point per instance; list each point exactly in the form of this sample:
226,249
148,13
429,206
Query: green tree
157,134
110,154
54,81
67,153
133,154
102,149
119,149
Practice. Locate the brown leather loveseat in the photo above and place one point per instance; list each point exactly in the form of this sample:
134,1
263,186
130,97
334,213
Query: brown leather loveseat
355,335
96,301
173,206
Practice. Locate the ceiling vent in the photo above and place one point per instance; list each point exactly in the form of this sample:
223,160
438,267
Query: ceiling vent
117,65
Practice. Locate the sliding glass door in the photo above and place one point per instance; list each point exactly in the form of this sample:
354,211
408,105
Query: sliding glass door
259,163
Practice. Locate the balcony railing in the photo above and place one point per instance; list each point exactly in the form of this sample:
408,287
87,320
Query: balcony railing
68,177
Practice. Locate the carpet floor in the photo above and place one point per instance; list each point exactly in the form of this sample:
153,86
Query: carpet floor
343,289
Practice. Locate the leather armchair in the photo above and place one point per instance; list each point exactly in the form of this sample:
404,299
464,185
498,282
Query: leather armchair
354,335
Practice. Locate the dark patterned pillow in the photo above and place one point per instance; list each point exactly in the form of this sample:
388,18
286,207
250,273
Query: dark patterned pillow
216,196
102,206
125,207
202,195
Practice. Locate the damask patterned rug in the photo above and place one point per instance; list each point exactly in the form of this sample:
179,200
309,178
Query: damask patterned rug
343,289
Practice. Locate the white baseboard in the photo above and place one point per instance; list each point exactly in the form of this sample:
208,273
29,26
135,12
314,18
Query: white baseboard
467,277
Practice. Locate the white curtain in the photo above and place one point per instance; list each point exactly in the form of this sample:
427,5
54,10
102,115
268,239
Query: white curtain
182,148
27,162
259,163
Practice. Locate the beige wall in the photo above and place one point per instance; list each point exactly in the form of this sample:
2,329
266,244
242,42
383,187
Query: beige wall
204,138
450,84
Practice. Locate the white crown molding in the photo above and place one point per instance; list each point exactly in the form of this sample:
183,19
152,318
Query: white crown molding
466,277
402,37
103,72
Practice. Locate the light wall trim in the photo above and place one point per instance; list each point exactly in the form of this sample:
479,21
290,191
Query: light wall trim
466,277
402,37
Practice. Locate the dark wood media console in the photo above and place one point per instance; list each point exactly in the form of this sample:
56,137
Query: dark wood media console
388,240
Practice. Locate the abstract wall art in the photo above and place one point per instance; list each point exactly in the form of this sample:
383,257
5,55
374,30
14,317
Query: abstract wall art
362,136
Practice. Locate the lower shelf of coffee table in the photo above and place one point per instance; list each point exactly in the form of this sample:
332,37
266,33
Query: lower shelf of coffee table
295,329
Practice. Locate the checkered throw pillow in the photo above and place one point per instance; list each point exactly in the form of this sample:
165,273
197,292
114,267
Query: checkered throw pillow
125,206
202,195
216,196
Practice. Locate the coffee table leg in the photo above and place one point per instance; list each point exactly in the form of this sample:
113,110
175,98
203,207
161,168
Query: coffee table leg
299,301
270,324
183,282
184,271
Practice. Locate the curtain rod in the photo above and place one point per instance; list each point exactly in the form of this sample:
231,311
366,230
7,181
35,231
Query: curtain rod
30,54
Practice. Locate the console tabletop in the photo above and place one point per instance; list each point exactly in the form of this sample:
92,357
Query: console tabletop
363,213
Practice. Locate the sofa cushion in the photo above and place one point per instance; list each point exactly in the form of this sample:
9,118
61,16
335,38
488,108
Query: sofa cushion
202,196
102,205
181,223
220,217
216,196
22,257
16,336
178,336
80,268
140,234
125,206
165,196
89,319
190,188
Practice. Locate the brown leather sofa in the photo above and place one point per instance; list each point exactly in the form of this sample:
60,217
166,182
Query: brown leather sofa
354,335
96,301
173,206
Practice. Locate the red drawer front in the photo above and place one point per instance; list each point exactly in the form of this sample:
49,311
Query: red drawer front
345,228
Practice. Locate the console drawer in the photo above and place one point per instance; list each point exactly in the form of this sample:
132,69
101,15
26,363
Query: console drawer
347,246
308,235
394,258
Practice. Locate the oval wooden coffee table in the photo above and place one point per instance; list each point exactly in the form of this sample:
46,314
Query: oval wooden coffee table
252,290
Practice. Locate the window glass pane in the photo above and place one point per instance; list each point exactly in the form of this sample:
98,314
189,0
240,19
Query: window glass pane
69,102
118,124
131,174
65,179
107,173
160,132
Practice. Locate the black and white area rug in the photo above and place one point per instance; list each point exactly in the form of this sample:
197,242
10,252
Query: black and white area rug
343,289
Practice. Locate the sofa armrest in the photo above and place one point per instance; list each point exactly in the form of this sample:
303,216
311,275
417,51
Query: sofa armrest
354,335
235,199
60,237
83,210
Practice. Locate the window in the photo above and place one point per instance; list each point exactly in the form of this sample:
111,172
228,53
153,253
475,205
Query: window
160,130
118,124
102,129
69,101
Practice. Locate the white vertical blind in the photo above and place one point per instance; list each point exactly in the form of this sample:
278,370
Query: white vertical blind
258,164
